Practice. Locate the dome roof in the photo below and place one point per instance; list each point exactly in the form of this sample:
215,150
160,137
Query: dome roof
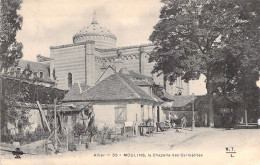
94,30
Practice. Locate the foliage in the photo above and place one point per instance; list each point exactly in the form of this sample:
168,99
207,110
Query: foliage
15,92
18,117
27,72
104,134
31,92
38,134
240,67
11,22
191,36
92,131
28,137
79,129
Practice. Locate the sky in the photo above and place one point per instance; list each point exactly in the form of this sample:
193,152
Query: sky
53,22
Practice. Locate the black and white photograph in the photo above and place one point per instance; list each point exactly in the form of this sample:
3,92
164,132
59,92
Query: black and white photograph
132,82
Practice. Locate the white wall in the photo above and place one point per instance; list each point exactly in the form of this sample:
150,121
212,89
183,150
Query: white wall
148,112
134,112
34,119
104,114
162,115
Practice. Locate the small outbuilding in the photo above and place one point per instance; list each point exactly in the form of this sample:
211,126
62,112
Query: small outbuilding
118,99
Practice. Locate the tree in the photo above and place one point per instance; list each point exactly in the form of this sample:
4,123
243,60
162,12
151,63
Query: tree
27,72
189,39
15,94
18,117
243,48
10,22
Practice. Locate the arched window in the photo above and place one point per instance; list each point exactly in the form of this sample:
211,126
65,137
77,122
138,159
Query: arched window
69,80
40,74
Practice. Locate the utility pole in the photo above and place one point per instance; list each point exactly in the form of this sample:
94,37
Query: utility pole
246,123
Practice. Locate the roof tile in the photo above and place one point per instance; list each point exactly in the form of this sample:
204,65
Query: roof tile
114,87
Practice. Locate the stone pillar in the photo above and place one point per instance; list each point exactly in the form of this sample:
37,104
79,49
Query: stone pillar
90,64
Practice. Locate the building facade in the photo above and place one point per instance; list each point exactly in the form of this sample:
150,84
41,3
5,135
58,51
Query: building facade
32,71
93,50
118,98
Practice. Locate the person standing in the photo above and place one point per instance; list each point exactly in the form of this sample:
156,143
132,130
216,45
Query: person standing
183,122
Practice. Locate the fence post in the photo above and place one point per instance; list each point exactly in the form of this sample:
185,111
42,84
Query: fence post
55,125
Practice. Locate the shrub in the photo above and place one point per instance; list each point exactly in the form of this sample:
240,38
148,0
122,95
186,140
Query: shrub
105,133
79,129
92,131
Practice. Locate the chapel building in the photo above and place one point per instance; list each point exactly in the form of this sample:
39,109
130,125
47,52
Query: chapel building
93,50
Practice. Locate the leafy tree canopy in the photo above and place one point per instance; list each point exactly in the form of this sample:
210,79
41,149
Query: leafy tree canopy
10,22
194,36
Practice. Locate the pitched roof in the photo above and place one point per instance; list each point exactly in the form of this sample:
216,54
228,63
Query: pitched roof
142,80
36,67
157,98
138,79
184,103
137,89
114,87
76,90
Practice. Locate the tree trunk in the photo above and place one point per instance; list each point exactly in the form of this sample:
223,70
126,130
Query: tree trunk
246,117
210,102
211,111
1,110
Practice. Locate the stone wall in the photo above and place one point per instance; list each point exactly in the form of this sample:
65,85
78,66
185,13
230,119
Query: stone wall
68,60
86,63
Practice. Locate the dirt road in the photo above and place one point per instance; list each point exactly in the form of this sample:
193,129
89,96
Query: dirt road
201,146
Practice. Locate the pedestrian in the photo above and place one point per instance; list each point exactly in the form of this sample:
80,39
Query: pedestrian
170,119
183,122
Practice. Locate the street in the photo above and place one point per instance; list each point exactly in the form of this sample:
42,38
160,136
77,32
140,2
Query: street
196,147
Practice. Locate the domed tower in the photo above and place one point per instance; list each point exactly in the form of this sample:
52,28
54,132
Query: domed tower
103,38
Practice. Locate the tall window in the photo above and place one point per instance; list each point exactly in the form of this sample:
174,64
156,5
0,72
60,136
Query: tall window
69,80
40,74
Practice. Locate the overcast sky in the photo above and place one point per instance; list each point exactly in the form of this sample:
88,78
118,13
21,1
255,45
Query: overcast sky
54,22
